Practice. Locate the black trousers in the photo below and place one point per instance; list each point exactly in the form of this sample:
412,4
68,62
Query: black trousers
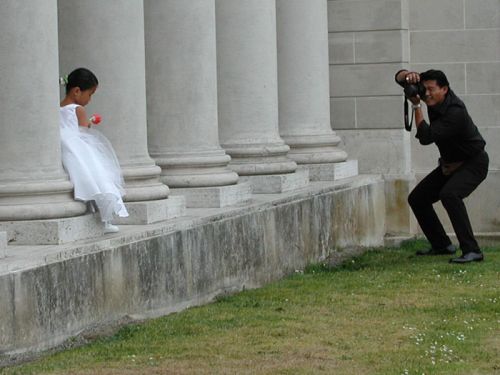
450,190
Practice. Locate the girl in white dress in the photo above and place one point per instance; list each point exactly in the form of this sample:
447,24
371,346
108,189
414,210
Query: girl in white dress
87,155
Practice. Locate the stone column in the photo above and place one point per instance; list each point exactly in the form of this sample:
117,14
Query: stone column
248,88
108,38
33,185
181,86
303,81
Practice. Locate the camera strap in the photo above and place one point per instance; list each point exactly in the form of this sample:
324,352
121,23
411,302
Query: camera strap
408,124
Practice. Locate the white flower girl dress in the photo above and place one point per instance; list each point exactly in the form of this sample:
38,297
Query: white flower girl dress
92,165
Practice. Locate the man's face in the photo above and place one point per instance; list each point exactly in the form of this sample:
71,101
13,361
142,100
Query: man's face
433,93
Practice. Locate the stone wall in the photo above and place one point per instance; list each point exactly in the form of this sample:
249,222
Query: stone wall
462,38
49,294
369,41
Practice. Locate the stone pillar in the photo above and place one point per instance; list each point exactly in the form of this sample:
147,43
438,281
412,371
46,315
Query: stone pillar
3,244
248,88
35,193
108,38
303,79
181,86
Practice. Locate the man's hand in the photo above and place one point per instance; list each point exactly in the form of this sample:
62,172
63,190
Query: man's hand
412,78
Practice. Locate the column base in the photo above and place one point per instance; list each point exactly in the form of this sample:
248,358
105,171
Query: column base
332,171
53,231
148,212
215,196
278,183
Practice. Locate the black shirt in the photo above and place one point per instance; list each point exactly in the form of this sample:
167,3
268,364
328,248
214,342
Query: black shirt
451,129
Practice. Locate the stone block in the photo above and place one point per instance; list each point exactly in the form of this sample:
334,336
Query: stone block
53,231
484,109
278,183
380,112
384,151
147,212
364,80
492,138
423,158
332,171
456,45
399,218
454,71
343,113
483,78
381,46
215,196
436,15
341,48
367,15
3,244
482,14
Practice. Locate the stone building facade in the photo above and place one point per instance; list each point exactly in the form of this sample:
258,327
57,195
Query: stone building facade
190,108
213,95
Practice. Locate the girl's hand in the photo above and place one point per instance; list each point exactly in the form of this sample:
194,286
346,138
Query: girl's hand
95,119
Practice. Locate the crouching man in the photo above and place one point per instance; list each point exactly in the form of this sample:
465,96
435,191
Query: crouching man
463,163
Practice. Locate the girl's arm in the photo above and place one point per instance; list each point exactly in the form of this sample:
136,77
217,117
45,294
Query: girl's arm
81,115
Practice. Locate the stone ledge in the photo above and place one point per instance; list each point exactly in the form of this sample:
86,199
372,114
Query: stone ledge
50,293
215,196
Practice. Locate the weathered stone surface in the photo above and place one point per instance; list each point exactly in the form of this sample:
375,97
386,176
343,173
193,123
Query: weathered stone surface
51,293
481,14
350,15
386,151
445,14
3,244
455,45
399,218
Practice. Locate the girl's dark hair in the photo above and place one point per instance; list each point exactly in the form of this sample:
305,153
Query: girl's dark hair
435,75
82,78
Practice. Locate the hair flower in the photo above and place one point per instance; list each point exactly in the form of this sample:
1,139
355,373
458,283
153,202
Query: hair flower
63,80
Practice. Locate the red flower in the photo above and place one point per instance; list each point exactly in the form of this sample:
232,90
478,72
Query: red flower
95,119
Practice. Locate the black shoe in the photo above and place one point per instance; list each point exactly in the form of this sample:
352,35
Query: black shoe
468,257
448,250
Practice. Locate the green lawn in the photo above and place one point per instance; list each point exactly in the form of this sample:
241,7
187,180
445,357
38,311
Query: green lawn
386,312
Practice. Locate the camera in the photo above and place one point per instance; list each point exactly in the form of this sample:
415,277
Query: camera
413,89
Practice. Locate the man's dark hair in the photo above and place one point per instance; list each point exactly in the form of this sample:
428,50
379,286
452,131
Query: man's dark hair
82,78
435,75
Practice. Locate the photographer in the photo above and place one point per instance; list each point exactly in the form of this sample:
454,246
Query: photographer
463,163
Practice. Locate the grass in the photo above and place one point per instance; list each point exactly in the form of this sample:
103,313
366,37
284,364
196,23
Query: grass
386,312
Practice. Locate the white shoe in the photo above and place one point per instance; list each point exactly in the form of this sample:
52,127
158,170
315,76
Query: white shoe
110,228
